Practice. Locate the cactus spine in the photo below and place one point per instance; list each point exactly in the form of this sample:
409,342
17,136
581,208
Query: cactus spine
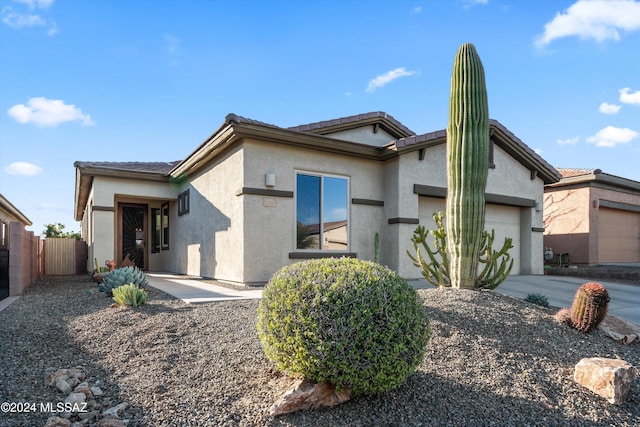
589,306
467,164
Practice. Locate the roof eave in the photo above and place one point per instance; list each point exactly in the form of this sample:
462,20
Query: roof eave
9,207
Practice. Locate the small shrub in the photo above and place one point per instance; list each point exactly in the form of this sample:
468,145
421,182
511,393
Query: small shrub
537,299
129,294
355,324
122,276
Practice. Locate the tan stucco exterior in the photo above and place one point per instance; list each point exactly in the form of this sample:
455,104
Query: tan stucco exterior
594,217
241,226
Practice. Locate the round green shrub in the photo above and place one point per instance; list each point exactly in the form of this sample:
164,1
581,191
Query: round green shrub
354,324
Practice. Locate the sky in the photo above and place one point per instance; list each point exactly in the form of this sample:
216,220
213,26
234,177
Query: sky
149,80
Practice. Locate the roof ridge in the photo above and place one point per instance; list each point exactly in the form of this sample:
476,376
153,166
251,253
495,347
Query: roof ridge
307,127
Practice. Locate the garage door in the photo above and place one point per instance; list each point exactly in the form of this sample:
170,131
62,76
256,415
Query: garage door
618,236
505,220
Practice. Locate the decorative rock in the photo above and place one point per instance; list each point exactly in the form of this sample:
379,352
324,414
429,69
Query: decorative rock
63,386
111,422
57,422
305,395
76,398
115,411
83,388
97,391
51,378
609,378
88,415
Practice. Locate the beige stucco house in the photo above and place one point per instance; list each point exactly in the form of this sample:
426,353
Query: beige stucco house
594,217
254,197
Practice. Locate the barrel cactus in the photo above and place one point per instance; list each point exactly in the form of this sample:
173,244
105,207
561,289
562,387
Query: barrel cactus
122,276
354,324
467,166
589,306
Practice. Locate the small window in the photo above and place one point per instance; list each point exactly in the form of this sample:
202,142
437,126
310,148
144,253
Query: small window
322,212
183,203
156,230
165,226
4,234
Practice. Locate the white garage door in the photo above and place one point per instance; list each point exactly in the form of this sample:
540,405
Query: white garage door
618,236
504,219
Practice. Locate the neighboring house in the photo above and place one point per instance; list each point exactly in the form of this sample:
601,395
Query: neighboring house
19,251
593,216
254,197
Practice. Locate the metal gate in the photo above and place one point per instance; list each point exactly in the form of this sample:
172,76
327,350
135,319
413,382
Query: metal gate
4,272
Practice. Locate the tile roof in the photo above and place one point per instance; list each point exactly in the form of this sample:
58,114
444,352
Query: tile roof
148,167
567,172
312,127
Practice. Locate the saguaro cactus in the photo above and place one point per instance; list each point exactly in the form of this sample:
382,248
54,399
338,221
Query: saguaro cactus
467,163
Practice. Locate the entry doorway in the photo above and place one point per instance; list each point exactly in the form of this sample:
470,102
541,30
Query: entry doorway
132,241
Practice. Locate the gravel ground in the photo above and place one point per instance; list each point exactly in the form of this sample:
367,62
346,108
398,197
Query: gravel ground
492,360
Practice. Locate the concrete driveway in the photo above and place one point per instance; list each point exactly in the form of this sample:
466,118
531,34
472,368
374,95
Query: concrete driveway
559,290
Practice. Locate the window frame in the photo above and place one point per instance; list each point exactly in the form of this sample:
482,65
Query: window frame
156,230
322,176
164,226
184,202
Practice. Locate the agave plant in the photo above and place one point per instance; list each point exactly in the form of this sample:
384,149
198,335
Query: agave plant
129,294
122,276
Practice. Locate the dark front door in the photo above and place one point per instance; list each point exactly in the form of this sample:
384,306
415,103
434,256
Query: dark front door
4,272
133,234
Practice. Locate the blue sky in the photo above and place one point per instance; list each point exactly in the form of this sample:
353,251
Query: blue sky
149,80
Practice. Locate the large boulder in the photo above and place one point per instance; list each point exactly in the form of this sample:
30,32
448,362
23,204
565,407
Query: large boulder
609,378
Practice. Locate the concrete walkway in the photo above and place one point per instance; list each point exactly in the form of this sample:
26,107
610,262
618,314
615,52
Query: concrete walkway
194,290
625,297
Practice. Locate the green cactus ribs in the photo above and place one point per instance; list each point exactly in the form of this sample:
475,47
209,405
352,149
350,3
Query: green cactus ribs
467,166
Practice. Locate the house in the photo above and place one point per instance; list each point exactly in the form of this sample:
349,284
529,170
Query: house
254,197
19,251
593,216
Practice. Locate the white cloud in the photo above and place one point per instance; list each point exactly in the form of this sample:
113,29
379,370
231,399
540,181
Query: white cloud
629,98
36,4
18,20
569,141
612,136
48,112
538,151
598,20
388,77
417,9
606,108
23,168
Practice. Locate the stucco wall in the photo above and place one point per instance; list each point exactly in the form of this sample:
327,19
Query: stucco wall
567,221
364,135
208,241
508,178
269,221
572,219
102,230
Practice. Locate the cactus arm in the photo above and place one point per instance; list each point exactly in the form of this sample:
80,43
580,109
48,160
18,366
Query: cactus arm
467,166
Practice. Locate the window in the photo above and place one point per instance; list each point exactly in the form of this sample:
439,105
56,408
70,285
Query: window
165,225
183,203
322,212
156,230
4,234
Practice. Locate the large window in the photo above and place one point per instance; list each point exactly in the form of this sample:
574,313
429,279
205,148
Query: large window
322,212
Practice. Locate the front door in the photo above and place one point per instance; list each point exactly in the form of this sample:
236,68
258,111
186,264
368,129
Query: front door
133,234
